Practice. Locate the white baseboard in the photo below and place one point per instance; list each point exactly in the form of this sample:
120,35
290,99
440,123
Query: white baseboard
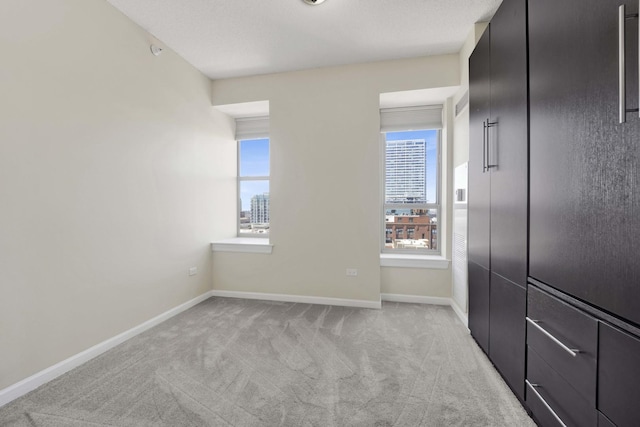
34,381
418,299
415,299
464,317
298,298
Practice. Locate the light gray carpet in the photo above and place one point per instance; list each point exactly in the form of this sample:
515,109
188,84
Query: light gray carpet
229,362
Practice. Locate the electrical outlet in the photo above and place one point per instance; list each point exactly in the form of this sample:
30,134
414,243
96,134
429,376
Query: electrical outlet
352,272
193,271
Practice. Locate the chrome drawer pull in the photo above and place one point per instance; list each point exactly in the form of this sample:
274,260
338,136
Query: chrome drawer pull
544,402
484,146
622,82
572,351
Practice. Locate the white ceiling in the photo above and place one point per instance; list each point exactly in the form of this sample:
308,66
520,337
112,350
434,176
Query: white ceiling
232,38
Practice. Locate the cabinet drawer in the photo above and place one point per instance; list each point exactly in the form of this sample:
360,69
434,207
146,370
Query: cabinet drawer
554,330
542,413
544,384
619,376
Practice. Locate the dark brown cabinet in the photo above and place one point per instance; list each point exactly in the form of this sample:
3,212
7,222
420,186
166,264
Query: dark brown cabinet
479,192
584,163
507,142
479,305
498,192
618,376
552,397
554,199
562,349
479,181
582,368
552,323
507,332
584,194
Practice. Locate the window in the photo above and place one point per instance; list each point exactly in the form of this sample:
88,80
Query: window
253,177
253,187
411,178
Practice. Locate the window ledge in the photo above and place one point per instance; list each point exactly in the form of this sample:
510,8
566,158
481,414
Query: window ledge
435,262
243,244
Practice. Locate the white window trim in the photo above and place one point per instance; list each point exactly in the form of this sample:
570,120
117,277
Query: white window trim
433,262
244,245
385,206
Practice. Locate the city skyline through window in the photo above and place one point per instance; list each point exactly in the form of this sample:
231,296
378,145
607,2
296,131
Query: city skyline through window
411,164
411,197
253,187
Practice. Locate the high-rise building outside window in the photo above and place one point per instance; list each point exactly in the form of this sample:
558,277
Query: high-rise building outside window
411,191
253,187
260,209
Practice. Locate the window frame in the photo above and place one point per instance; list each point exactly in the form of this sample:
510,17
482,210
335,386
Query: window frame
431,206
240,179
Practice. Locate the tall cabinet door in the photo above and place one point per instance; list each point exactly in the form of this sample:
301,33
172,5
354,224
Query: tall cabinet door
479,177
507,142
479,192
585,165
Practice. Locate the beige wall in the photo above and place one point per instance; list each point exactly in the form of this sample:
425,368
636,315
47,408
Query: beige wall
111,175
461,123
416,281
325,173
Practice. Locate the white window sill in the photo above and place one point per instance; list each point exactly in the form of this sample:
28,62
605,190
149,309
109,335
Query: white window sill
435,262
243,244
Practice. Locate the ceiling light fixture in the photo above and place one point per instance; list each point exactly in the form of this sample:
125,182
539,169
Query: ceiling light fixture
313,2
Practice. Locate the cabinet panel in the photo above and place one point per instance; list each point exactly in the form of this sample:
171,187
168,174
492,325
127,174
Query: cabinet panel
584,165
540,410
571,327
563,399
498,192
479,305
619,376
507,331
479,179
604,421
508,141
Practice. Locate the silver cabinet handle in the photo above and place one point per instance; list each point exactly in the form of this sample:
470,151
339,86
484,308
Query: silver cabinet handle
490,125
572,351
544,402
622,67
484,146
622,83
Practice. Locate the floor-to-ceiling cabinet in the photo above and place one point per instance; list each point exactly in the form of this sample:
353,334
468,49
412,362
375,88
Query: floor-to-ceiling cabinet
585,164
584,212
562,76
498,192
479,228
